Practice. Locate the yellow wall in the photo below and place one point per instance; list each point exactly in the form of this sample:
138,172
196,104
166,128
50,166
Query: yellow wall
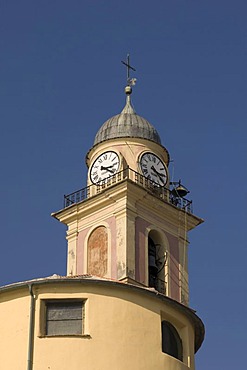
122,330
14,321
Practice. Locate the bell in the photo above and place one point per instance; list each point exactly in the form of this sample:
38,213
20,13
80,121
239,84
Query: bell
152,262
180,191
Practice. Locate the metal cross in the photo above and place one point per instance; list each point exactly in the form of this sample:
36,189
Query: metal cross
127,64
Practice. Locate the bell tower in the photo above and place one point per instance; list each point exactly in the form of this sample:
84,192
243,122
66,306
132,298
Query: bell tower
127,236
128,224
124,302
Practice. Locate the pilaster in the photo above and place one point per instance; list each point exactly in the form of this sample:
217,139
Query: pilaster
72,238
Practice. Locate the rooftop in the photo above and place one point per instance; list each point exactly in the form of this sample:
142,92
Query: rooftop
127,124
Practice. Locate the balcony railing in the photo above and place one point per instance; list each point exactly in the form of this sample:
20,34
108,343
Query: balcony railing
128,174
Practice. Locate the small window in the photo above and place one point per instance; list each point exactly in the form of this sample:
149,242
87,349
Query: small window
171,341
64,317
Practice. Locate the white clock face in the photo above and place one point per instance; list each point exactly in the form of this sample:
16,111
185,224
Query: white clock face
153,168
105,166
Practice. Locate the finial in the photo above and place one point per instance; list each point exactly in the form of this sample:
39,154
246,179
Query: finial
128,90
130,81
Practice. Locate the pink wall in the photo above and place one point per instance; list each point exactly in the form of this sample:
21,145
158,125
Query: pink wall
141,226
140,263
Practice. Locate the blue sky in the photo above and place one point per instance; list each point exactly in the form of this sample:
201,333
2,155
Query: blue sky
61,77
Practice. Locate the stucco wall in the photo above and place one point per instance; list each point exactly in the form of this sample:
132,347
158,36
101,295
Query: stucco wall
123,329
14,325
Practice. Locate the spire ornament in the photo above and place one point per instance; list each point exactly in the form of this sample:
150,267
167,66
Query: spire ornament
130,81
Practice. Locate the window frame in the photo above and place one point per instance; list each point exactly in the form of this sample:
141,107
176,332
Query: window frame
60,301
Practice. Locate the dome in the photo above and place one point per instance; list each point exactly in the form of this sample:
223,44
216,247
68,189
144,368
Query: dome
127,124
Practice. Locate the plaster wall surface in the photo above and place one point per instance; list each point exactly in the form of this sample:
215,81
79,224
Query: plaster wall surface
14,327
122,329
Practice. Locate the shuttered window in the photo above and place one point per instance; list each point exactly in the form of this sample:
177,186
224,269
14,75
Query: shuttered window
64,317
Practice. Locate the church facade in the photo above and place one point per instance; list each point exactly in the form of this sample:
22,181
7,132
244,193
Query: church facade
124,302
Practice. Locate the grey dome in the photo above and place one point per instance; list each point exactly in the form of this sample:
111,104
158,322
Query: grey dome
127,124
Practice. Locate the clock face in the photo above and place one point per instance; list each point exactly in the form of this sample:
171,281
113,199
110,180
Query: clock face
153,168
105,166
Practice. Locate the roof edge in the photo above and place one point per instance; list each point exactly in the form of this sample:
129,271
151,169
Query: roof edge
89,279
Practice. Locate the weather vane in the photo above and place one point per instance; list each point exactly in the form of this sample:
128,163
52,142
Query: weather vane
130,81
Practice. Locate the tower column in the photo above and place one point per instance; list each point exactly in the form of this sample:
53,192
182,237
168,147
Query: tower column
121,239
72,237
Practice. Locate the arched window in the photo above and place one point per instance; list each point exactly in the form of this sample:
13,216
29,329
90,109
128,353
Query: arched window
152,265
97,250
171,341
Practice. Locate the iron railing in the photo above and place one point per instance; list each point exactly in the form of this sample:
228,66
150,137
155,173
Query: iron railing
128,174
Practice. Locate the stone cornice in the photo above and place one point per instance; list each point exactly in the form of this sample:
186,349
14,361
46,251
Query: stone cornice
134,197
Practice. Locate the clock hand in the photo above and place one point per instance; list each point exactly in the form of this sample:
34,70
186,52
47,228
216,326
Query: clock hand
106,169
107,166
158,173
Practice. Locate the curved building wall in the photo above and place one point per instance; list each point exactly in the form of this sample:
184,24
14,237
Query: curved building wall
14,328
121,328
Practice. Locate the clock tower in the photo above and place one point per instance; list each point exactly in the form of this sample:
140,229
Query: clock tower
124,302
128,228
128,224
